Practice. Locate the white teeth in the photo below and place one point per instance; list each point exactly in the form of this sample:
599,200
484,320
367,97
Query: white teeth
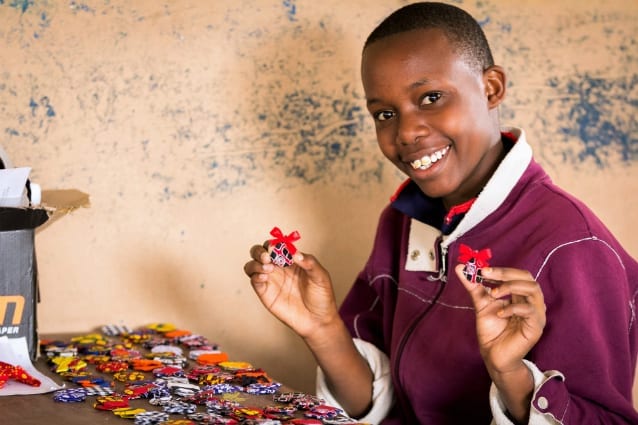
427,161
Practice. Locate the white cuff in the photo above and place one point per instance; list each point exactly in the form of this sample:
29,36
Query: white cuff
535,417
382,391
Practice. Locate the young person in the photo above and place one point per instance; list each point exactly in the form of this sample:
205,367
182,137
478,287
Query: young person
544,334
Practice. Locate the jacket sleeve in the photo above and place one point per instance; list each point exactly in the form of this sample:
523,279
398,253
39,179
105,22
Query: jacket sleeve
382,392
590,337
536,417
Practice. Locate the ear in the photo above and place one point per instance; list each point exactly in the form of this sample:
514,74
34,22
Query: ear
495,82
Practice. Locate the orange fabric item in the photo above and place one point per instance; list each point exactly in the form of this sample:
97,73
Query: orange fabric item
177,333
146,365
212,358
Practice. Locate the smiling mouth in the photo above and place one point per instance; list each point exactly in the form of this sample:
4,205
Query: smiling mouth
428,160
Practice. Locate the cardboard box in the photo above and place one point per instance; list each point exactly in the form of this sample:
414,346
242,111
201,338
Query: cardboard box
19,294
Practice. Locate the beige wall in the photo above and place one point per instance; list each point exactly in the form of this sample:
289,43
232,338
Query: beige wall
197,126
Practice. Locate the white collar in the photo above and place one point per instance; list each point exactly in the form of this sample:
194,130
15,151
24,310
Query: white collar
498,186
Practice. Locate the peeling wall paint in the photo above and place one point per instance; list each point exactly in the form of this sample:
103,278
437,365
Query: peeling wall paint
289,112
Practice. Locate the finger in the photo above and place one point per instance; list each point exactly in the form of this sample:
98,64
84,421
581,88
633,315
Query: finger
259,253
260,276
502,274
253,267
520,291
525,311
259,282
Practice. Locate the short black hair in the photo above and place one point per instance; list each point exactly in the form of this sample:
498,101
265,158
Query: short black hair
463,31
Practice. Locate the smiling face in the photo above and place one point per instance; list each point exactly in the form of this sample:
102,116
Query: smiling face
435,116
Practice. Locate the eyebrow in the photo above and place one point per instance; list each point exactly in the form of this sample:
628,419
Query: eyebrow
419,83
412,86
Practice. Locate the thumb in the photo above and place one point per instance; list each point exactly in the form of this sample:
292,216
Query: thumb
305,261
311,266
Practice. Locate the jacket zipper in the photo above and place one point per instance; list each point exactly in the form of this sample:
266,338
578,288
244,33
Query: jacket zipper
442,277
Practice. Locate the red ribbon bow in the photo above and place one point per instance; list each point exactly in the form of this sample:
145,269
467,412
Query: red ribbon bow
287,240
480,257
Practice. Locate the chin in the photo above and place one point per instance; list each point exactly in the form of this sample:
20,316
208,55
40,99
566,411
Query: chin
434,190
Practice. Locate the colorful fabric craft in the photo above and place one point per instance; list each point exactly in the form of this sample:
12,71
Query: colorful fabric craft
16,373
281,248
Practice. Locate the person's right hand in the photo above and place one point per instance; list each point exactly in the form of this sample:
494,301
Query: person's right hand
300,295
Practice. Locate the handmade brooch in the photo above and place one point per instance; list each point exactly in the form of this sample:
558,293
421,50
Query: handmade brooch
281,248
474,261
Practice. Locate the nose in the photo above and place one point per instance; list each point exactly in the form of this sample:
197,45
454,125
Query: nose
411,127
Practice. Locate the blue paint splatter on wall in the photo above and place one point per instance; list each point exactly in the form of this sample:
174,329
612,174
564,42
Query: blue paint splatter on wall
321,140
600,113
43,24
75,6
312,137
506,27
317,133
45,103
22,5
33,105
291,9
484,22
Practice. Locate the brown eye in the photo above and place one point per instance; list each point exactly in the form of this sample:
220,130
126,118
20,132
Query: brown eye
430,98
383,115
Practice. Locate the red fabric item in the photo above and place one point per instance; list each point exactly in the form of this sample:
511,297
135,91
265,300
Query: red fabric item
279,237
480,257
458,209
17,373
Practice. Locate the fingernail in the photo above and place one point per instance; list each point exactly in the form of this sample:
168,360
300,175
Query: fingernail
298,257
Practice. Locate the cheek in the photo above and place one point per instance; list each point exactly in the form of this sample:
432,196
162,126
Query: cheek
385,140
458,121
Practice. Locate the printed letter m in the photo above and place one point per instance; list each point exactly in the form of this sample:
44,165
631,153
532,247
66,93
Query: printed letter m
18,301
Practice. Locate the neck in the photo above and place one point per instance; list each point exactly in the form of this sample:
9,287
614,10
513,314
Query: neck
481,176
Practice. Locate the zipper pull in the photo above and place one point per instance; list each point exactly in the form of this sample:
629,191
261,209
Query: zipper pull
441,261
443,270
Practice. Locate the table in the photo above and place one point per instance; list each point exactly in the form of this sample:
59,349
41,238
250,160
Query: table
42,409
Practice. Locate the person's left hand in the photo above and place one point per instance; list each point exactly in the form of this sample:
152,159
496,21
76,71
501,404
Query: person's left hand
510,316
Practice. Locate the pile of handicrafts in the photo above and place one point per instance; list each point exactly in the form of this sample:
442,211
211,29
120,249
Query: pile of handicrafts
159,374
